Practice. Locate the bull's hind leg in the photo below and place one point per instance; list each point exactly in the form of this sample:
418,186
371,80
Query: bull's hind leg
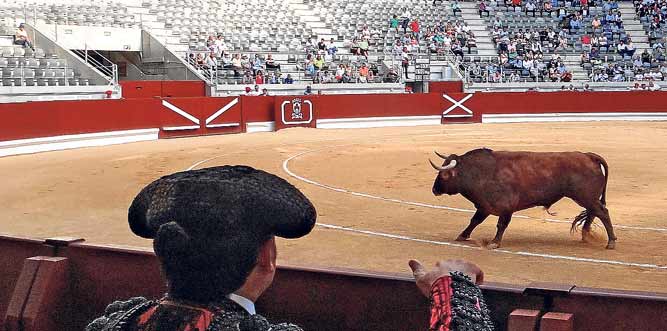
603,214
503,222
476,220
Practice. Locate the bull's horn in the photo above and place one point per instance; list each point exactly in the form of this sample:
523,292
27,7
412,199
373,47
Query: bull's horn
451,164
436,167
440,155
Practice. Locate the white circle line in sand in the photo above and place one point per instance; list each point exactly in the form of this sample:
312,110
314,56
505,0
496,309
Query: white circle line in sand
504,251
426,205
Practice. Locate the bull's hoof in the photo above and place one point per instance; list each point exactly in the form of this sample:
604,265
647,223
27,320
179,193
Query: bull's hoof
493,245
611,245
462,238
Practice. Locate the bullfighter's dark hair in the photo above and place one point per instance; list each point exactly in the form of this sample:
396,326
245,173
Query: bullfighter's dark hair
209,224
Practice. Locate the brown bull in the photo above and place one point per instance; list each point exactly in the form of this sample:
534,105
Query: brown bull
501,183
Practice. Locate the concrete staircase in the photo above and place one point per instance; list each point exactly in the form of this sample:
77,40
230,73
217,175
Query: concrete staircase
633,26
470,14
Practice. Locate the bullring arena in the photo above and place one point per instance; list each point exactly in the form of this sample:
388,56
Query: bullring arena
372,191
99,100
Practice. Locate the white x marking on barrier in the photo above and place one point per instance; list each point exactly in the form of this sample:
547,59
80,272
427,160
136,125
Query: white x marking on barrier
222,110
180,111
457,104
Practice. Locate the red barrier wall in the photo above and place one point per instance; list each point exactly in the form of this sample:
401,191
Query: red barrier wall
566,102
378,105
146,89
45,119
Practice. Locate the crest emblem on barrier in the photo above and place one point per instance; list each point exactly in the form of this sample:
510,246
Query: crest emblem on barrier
296,111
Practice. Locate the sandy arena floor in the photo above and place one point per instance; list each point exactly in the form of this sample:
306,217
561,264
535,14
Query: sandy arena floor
86,192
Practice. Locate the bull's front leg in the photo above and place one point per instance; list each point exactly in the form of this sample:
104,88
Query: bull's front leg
503,222
476,220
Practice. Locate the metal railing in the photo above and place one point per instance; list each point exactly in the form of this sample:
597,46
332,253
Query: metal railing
104,66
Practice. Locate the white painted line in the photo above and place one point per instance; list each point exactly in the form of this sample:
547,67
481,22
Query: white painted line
223,125
37,145
260,127
179,111
426,205
221,111
375,122
572,117
504,251
178,128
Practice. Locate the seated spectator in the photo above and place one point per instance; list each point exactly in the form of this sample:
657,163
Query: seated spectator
456,8
318,63
259,78
21,37
547,8
393,23
584,58
257,64
653,86
354,47
309,65
630,48
211,62
365,33
646,58
596,23
270,63
321,47
363,73
414,27
308,90
226,61
219,46
288,79
331,48
482,9
245,63
363,48
586,42
200,60
575,24
530,7
265,93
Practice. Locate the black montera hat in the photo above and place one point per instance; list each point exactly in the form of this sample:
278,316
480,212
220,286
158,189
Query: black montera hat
208,224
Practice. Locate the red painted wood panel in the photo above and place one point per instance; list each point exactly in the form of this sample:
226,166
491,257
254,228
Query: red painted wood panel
258,109
54,118
378,105
566,102
202,109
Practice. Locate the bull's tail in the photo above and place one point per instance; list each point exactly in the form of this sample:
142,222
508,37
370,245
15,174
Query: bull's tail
579,221
605,168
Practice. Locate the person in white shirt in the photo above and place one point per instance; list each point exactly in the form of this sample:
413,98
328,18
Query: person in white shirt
21,37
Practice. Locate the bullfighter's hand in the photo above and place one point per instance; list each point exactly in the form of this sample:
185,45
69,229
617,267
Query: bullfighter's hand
425,279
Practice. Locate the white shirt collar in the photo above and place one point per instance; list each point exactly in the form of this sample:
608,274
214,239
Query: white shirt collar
245,303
